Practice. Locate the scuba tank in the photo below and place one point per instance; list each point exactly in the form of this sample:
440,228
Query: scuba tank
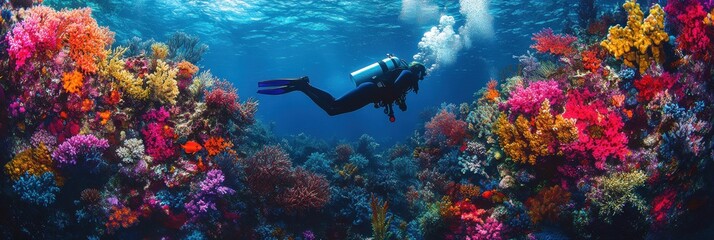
375,70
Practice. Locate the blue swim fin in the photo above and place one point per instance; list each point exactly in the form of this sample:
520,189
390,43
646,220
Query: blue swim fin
274,83
277,91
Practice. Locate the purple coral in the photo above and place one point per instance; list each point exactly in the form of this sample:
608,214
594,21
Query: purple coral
80,145
491,229
528,100
210,188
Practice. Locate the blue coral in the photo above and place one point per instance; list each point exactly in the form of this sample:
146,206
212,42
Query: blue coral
38,190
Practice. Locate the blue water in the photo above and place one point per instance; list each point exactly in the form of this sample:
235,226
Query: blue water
255,40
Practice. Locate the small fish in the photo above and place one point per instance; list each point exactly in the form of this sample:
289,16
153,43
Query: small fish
191,147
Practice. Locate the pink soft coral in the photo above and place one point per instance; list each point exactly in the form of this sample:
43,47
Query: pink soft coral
695,36
158,135
37,33
600,133
547,42
445,124
528,100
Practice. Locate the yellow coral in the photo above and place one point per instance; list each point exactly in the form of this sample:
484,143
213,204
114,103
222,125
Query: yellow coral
160,50
525,144
72,82
709,20
114,66
163,82
633,41
35,161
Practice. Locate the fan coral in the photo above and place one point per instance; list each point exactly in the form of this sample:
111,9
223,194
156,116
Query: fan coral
36,189
215,145
547,204
72,82
268,168
78,146
528,100
525,144
599,130
649,86
639,42
445,125
547,42
163,83
186,47
309,191
34,161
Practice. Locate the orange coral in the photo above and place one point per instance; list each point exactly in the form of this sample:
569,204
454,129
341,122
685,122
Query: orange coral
72,82
186,69
491,93
469,190
590,60
524,141
121,217
215,145
85,39
105,115
35,161
547,204
87,104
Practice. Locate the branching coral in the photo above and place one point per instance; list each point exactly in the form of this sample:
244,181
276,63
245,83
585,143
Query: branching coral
525,142
37,189
445,125
380,220
640,41
131,151
547,42
547,204
78,147
159,51
163,83
612,192
86,40
209,190
114,66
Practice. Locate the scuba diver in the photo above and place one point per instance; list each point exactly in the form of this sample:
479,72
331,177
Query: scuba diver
383,83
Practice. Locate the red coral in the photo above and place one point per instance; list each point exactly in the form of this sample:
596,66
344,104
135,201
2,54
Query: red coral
695,36
661,206
445,124
600,133
267,169
547,42
310,191
649,86
121,217
223,99
591,62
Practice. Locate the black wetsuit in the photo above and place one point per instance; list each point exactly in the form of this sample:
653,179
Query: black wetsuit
390,87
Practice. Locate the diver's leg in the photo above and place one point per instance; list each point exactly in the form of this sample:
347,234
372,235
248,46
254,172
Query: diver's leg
364,94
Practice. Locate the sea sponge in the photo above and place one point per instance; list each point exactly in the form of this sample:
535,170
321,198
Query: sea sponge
640,41
34,161
163,83
72,82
